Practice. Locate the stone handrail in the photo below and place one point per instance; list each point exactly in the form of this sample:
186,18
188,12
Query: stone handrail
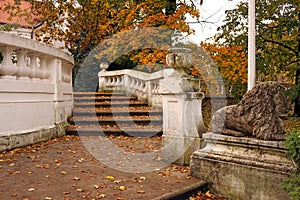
35,90
144,85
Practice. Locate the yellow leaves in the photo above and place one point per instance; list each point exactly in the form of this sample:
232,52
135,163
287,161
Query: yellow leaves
231,60
140,192
76,178
121,188
101,196
110,177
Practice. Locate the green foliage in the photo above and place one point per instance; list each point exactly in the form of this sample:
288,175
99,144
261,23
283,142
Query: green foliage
277,35
277,39
292,184
8,27
293,145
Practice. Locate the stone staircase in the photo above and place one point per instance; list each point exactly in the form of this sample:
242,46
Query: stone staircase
113,113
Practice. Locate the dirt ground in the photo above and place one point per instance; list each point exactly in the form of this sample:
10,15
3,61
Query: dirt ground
64,169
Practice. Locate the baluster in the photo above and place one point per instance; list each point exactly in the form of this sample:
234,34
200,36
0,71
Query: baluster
34,67
39,71
44,67
109,81
8,69
132,83
23,69
118,86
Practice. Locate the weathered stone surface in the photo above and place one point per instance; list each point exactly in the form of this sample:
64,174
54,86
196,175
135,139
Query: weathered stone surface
12,141
242,168
258,114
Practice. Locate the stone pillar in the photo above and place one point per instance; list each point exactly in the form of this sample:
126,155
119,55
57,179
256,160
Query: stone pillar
103,66
183,123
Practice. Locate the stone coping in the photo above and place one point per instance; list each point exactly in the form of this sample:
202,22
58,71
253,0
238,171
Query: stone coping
244,140
33,45
133,73
270,155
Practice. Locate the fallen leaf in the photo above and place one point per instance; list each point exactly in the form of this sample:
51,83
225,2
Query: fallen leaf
110,177
188,177
208,194
117,181
122,188
48,198
66,193
31,189
46,166
140,191
101,196
63,172
76,178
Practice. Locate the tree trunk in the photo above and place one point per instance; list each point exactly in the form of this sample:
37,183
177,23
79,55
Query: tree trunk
297,101
297,81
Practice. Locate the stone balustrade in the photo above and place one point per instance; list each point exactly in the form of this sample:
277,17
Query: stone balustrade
144,85
35,91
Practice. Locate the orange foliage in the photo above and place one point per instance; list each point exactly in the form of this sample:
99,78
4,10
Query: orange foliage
231,61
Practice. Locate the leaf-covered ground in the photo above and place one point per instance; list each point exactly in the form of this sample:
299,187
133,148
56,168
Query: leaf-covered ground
64,169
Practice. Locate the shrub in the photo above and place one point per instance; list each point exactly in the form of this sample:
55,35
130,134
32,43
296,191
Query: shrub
292,184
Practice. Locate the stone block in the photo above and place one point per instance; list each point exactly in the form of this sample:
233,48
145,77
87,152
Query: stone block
242,168
178,150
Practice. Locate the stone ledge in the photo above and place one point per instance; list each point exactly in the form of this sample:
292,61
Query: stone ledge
12,141
243,140
242,168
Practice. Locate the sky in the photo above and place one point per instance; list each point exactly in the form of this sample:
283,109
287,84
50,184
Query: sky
212,11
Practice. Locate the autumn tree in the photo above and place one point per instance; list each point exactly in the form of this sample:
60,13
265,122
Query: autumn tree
232,64
84,24
277,40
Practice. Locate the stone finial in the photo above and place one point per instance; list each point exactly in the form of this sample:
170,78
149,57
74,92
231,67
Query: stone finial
103,66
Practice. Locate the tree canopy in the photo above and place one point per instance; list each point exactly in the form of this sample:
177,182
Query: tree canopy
277,39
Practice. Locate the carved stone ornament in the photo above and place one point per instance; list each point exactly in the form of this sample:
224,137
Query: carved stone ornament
103,66
179,59
259,114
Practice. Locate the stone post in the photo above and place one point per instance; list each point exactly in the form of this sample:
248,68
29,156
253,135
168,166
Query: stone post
182,117
103,66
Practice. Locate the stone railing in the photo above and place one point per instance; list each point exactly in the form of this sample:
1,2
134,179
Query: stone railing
144,85
35,91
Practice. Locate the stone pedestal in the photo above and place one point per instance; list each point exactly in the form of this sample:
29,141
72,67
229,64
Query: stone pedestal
242,168
183,123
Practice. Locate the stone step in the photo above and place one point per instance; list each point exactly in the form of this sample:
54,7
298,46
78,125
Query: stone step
118,113
97,113
87,94
115,121
129,131
103,98
132,103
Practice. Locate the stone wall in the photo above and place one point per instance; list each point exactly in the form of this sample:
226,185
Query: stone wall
35,91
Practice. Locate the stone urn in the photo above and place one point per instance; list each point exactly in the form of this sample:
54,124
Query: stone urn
179,59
